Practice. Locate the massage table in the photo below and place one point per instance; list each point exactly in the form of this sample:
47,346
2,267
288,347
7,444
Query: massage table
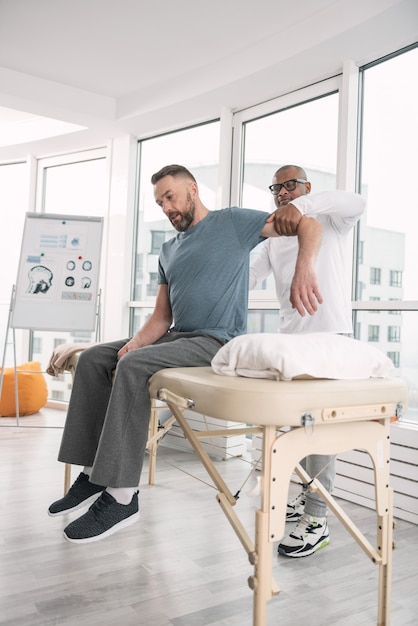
317,416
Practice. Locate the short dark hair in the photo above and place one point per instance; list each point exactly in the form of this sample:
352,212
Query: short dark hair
172,170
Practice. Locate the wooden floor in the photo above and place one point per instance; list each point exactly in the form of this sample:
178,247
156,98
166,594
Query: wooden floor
182,564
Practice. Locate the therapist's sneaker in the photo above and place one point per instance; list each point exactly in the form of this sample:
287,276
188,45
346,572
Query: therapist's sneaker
309,535
81,493
105,517
295,508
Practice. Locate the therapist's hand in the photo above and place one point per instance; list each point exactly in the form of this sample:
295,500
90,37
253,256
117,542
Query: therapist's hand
285,220
305,295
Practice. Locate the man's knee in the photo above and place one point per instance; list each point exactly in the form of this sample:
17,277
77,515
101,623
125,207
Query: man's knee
133,360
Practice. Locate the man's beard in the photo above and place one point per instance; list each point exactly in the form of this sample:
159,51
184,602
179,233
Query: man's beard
186,218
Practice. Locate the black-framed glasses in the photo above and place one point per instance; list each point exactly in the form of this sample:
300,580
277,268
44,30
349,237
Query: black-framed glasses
289,185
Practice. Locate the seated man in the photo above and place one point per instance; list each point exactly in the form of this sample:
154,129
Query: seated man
201,303
338,212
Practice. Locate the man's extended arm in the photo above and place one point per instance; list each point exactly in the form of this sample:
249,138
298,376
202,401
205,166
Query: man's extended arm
342,208
156,325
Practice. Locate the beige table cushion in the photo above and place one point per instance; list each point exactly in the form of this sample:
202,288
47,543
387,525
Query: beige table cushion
263,401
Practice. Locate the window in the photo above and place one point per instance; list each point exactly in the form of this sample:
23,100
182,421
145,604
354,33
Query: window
157,239
373,333
80,336
153,284
260,321
57,395
258,154
375,274
197,148
37,345
394,333
361,288
389,129
395,358
14,191
75,184
395,279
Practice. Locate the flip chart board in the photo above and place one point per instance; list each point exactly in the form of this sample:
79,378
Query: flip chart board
58,274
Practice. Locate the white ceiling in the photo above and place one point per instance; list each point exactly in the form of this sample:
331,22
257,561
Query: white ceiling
142,66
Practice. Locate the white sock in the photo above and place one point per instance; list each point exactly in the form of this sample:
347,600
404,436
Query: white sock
123,495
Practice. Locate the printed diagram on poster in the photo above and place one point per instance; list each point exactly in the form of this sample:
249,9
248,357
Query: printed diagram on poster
57,284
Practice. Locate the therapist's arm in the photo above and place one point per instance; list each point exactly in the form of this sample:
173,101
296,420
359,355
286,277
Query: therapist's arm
305,294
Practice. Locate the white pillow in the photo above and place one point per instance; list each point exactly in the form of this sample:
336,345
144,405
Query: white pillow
314,355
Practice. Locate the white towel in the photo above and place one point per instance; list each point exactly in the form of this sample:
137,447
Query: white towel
314,355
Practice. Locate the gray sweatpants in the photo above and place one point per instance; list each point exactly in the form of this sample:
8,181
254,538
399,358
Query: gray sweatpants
313,464
108,419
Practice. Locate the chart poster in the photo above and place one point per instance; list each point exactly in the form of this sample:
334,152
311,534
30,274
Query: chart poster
58,277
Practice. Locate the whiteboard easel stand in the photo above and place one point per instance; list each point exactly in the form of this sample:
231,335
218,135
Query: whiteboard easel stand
59,236
12,299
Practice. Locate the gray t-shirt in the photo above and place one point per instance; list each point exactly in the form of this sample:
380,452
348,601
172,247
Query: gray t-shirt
206,270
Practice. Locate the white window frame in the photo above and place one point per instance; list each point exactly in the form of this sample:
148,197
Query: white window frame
64,159
347,117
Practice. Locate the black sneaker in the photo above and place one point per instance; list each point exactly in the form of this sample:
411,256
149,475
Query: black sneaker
104,517
81,493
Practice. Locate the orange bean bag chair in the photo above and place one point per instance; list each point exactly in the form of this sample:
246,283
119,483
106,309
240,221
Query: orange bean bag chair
32,390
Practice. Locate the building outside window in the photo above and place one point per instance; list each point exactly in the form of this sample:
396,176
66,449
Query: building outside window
315,115
157,239
374,332
375,275
37,345
394,333
390,255
395,358
153,284
395,279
